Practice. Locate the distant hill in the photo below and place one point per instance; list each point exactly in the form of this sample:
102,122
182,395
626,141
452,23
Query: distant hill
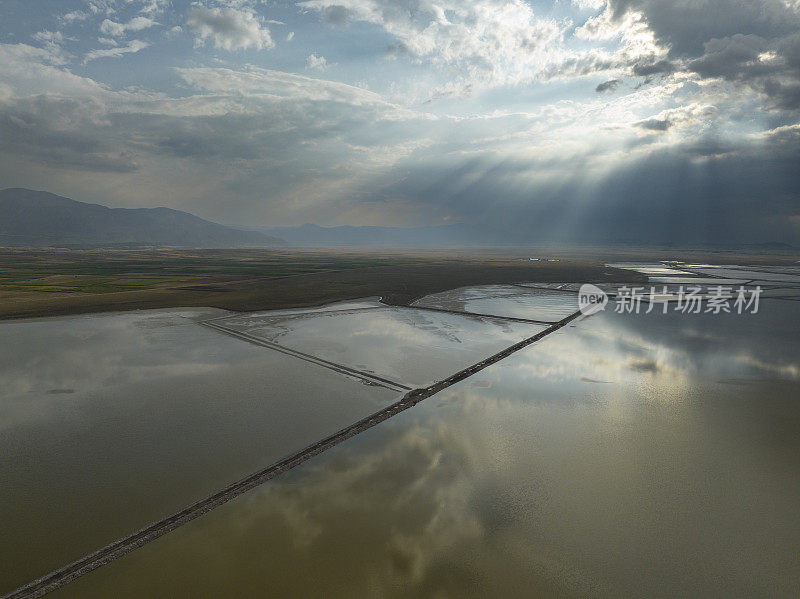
38,218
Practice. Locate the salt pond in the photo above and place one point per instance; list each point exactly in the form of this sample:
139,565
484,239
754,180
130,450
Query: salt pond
111,421
108,422
503,300
625,455
405,345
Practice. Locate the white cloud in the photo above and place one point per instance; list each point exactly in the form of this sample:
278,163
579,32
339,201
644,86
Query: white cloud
254,81
489,42
154,6
110,7
109,27
74,17
229,29
240,132
696,116
589,4
131,48
30,71
51,39
317,62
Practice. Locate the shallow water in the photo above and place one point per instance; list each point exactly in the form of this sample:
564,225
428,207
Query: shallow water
703,281
785,275
108,422
650,268
504,300
405,345
637,455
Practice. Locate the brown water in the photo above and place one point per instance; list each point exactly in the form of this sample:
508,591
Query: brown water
108,422
623,456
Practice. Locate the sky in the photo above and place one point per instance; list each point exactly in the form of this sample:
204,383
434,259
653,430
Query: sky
632,120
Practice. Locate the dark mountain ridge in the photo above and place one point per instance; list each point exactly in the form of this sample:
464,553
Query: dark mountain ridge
39,218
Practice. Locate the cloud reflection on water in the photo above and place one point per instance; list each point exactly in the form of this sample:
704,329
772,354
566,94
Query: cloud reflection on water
534,482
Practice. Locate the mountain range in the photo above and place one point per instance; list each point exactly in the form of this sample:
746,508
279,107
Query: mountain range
42,219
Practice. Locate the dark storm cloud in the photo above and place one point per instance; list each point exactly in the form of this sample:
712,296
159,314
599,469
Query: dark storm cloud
608,86
732,58
708,147
687,26
752,42
706,191
785,96
661,67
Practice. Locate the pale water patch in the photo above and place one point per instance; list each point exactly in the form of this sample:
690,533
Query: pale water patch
786,275
505,300
405,345
702,281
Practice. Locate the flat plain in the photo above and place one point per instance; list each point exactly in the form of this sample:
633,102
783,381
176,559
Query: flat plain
48,282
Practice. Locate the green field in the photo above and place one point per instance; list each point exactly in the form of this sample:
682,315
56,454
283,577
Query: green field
43,282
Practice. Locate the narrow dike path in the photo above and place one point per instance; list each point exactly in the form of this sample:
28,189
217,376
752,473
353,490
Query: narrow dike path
120,547
366,377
